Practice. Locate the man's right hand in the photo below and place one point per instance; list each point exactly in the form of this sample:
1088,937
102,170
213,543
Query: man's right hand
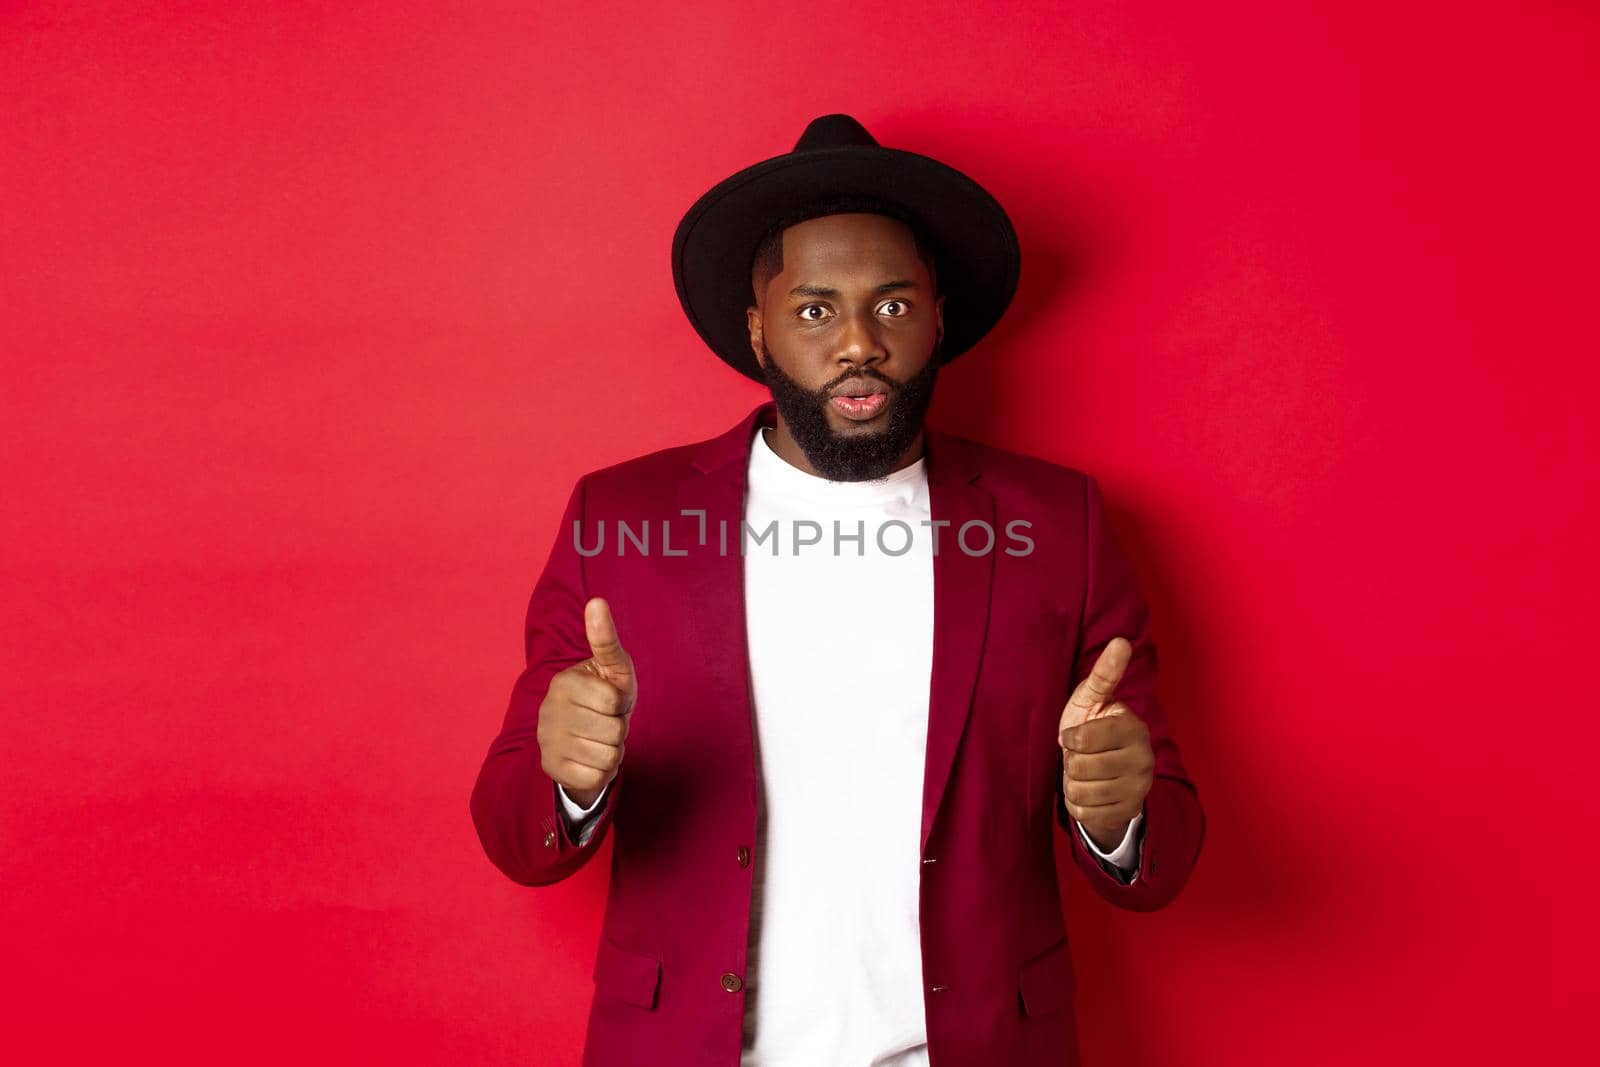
583,721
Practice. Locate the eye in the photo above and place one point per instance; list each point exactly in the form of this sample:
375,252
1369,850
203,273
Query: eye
895,304
810,307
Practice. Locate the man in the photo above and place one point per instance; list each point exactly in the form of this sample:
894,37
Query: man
833,713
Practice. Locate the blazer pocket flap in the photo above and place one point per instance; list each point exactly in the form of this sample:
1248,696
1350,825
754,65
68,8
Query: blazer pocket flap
627,975
1046,982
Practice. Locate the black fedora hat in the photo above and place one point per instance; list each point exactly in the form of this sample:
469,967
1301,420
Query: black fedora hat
975,243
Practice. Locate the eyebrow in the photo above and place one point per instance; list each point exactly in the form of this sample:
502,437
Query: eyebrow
825,291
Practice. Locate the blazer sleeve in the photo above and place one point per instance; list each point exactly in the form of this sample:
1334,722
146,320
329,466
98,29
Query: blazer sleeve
514,802
1174,822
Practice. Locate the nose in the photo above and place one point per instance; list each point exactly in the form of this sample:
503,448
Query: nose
859,343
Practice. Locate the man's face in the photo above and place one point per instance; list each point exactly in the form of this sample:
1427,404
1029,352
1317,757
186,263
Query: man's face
852,312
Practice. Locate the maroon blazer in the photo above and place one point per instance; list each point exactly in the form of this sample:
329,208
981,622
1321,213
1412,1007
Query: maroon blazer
1013,635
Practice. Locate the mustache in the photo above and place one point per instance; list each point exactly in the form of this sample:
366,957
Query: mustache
855,376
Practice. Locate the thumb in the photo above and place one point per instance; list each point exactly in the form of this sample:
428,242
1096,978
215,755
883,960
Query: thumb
1099,688
615,665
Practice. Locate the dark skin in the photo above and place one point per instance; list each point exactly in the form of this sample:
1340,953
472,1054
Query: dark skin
848,317
583,721
1107,764
821,339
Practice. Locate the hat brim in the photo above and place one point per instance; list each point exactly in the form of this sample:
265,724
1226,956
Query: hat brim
979,261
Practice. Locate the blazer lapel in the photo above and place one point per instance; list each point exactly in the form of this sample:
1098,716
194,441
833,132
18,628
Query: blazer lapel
713,570
715,612
961,585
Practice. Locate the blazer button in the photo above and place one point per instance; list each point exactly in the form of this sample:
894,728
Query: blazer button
550,839
732,982
744,856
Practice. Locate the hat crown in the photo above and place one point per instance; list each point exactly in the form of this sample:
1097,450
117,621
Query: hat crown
834,131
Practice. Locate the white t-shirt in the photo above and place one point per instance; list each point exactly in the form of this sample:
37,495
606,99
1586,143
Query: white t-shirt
841,653
840,631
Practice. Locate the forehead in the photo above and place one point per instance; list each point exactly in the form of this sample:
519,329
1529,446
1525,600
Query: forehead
849,242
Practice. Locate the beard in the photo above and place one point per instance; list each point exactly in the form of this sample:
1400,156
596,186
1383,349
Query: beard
853,457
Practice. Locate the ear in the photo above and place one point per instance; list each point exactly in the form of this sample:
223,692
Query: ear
752,318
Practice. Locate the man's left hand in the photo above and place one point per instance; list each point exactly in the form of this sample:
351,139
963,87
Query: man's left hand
1107,765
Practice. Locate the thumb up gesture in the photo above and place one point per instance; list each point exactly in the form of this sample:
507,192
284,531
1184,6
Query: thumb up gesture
583,720
1107,765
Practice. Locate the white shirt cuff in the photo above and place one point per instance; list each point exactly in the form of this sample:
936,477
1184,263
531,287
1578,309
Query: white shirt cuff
582,820
1125,857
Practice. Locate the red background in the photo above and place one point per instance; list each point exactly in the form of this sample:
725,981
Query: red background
313,313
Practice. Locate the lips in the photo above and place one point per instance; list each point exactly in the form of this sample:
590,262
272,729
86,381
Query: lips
860,408
858,389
